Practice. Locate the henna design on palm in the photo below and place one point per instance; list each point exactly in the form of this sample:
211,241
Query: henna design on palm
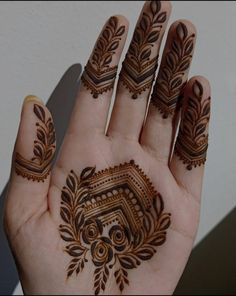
99,76
115,217
176,63
138,69
192,142
39,166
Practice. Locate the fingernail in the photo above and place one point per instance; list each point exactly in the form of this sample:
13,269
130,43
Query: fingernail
32,98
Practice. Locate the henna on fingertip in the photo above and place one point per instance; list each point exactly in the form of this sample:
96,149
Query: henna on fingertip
174,67
39,166
99,76
139,68
192,141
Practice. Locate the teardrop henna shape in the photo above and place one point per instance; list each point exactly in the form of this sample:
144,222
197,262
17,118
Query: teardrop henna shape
98,75
192,141
115,218
138,69
39,166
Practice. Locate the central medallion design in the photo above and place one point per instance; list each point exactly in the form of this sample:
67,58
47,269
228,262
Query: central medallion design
117,216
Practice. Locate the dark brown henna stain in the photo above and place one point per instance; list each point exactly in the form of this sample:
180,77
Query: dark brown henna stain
115,217
192,142
138,69
39,166
99,76
170,83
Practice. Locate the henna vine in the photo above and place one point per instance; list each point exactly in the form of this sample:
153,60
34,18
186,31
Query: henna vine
176,63
138,69
115,217
98,76
39,166
192,141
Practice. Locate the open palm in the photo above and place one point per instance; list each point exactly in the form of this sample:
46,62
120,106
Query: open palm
119,211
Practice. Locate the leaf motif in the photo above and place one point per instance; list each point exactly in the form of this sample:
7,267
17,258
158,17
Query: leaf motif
165,74
48,154
71,182
41,136
188,48
161,18
170,60
97,290
106,35
120,31
66,197
113,22
97,270
107,60
95,57
145,254
176,47
121,278
147,224
39,112
176,83
184,65
137,37
158,240
38,151
87,173
197,89
206,108
79,220
106,271
182,31
69,273
121,286
52,139
66,235
164,222
200,129
146,54
65,214
75,251
127,262
50,125
155,7
113,46
101,279
72,266
138,238
153,36
144,23
193,104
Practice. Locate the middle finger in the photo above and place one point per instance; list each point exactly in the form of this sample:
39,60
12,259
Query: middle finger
138,71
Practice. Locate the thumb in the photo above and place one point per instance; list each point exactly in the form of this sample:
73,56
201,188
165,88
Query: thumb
31,164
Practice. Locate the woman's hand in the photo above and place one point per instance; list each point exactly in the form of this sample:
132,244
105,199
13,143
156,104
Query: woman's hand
118,212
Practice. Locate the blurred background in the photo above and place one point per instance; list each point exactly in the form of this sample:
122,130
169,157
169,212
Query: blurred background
40,40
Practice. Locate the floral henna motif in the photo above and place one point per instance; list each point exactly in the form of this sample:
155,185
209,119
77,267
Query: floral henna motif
138,69
192,142
115,217
99,76
38,168
175,64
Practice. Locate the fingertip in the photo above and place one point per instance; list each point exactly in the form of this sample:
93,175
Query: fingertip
32,98
35,142
183,26
122,20
167,6
203,82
